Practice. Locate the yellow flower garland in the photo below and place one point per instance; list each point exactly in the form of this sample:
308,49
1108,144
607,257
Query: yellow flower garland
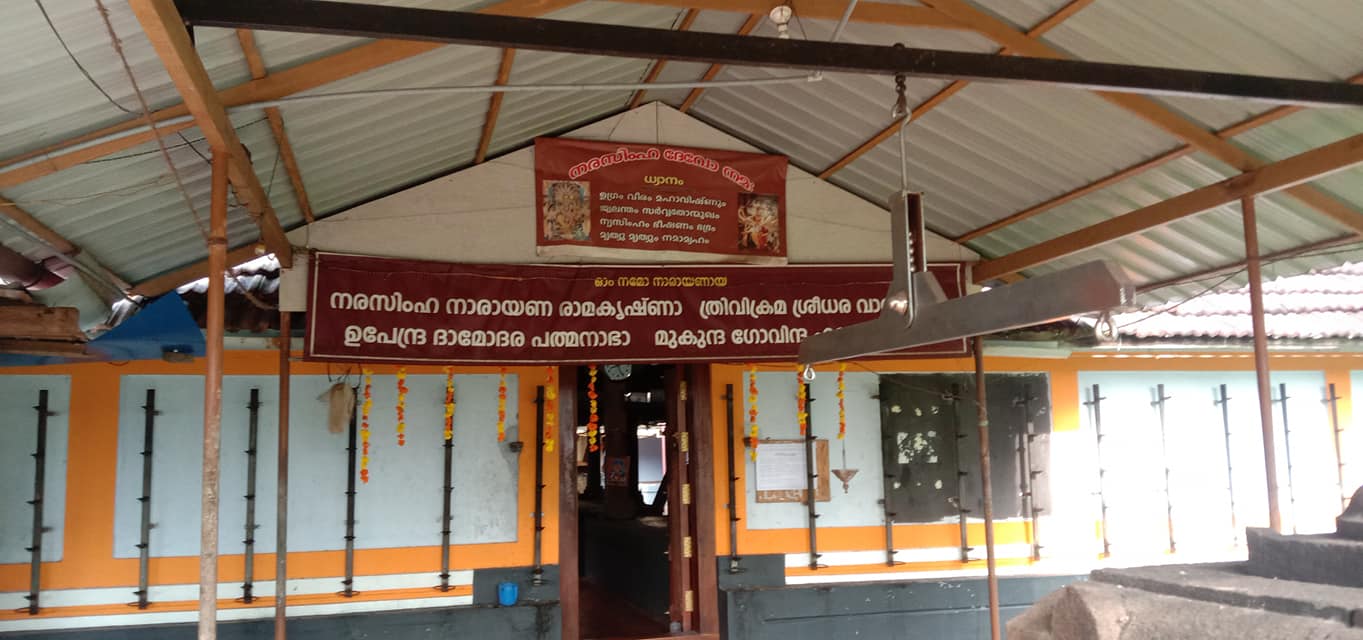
449,403
364,425
550,407
752,411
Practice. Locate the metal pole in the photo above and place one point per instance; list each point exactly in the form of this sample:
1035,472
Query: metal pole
39,476
1025,472
537,572
144,541
1158,404
1333,400
1256,308
1287,453
348,584
1224,401
1096,411
953,399
734,558
281,578
988,493
811,471
253,427
447,493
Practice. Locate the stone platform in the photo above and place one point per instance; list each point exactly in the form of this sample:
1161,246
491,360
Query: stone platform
1292,587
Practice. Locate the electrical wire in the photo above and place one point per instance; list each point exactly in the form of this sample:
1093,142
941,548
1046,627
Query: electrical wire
151,122
77,62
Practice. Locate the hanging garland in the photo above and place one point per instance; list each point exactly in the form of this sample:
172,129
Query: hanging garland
550,407
752,411
364,425
801,408
501,406
449,403
402,406
592,426
842,405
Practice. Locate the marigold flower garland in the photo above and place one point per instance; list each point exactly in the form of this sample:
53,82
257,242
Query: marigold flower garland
501,406
842,405
402,406
801,405
592,419
550,409
449,403
752,411
364,425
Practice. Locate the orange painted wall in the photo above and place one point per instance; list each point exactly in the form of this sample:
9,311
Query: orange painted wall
87,559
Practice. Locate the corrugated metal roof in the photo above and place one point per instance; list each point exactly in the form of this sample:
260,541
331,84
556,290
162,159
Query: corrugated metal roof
47,100
987,152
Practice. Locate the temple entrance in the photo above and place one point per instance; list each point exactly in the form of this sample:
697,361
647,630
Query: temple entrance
637,502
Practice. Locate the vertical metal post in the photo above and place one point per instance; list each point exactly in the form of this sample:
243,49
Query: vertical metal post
39,478
812,473
1287,453
1095,405
981,399
1224,401
537,571
144,541
1256,308
1333,400
212,445
253,426
953,402
447,494
281,578
1158,404
734,558
1026,474
348,584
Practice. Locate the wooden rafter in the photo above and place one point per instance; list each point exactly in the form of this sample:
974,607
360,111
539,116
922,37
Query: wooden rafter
57,241
1281,175
304,77
951,89
494,105
691,98
1149,110
166,30
1253,122
687,20
276,119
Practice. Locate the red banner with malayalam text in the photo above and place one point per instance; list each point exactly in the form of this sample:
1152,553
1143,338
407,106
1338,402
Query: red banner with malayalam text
608,199
364,308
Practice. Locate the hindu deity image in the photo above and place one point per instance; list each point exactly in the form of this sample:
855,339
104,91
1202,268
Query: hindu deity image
759,227
567,212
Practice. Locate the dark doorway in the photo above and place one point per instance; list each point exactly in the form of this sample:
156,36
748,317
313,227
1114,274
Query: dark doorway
625,511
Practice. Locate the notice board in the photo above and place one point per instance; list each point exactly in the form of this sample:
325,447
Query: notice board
612,200
781,474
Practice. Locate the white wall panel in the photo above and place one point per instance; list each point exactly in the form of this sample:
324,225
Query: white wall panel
18,441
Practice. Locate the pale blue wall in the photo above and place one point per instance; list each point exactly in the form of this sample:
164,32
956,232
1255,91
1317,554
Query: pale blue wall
1197,456
18,440
400,506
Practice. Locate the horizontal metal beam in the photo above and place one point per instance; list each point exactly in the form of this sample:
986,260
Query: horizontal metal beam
372,21
1087,288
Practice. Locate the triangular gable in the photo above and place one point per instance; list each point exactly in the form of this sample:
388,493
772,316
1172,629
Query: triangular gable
486,213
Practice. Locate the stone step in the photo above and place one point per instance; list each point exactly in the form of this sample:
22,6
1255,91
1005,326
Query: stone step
1324,559
1229,584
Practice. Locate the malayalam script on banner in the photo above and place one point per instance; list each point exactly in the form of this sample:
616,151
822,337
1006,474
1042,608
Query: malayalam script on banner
608,199
363,308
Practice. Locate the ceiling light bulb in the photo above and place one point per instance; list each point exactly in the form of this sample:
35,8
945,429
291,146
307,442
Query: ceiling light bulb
781,14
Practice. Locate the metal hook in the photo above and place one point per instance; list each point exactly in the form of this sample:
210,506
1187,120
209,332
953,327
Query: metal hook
1105,329
808,374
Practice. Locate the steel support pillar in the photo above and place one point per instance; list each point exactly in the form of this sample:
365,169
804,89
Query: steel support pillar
212,443
1261,372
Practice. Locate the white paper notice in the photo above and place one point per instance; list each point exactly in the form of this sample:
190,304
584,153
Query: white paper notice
781,467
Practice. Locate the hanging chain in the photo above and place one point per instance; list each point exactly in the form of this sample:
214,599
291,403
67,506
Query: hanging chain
901,112
901,104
